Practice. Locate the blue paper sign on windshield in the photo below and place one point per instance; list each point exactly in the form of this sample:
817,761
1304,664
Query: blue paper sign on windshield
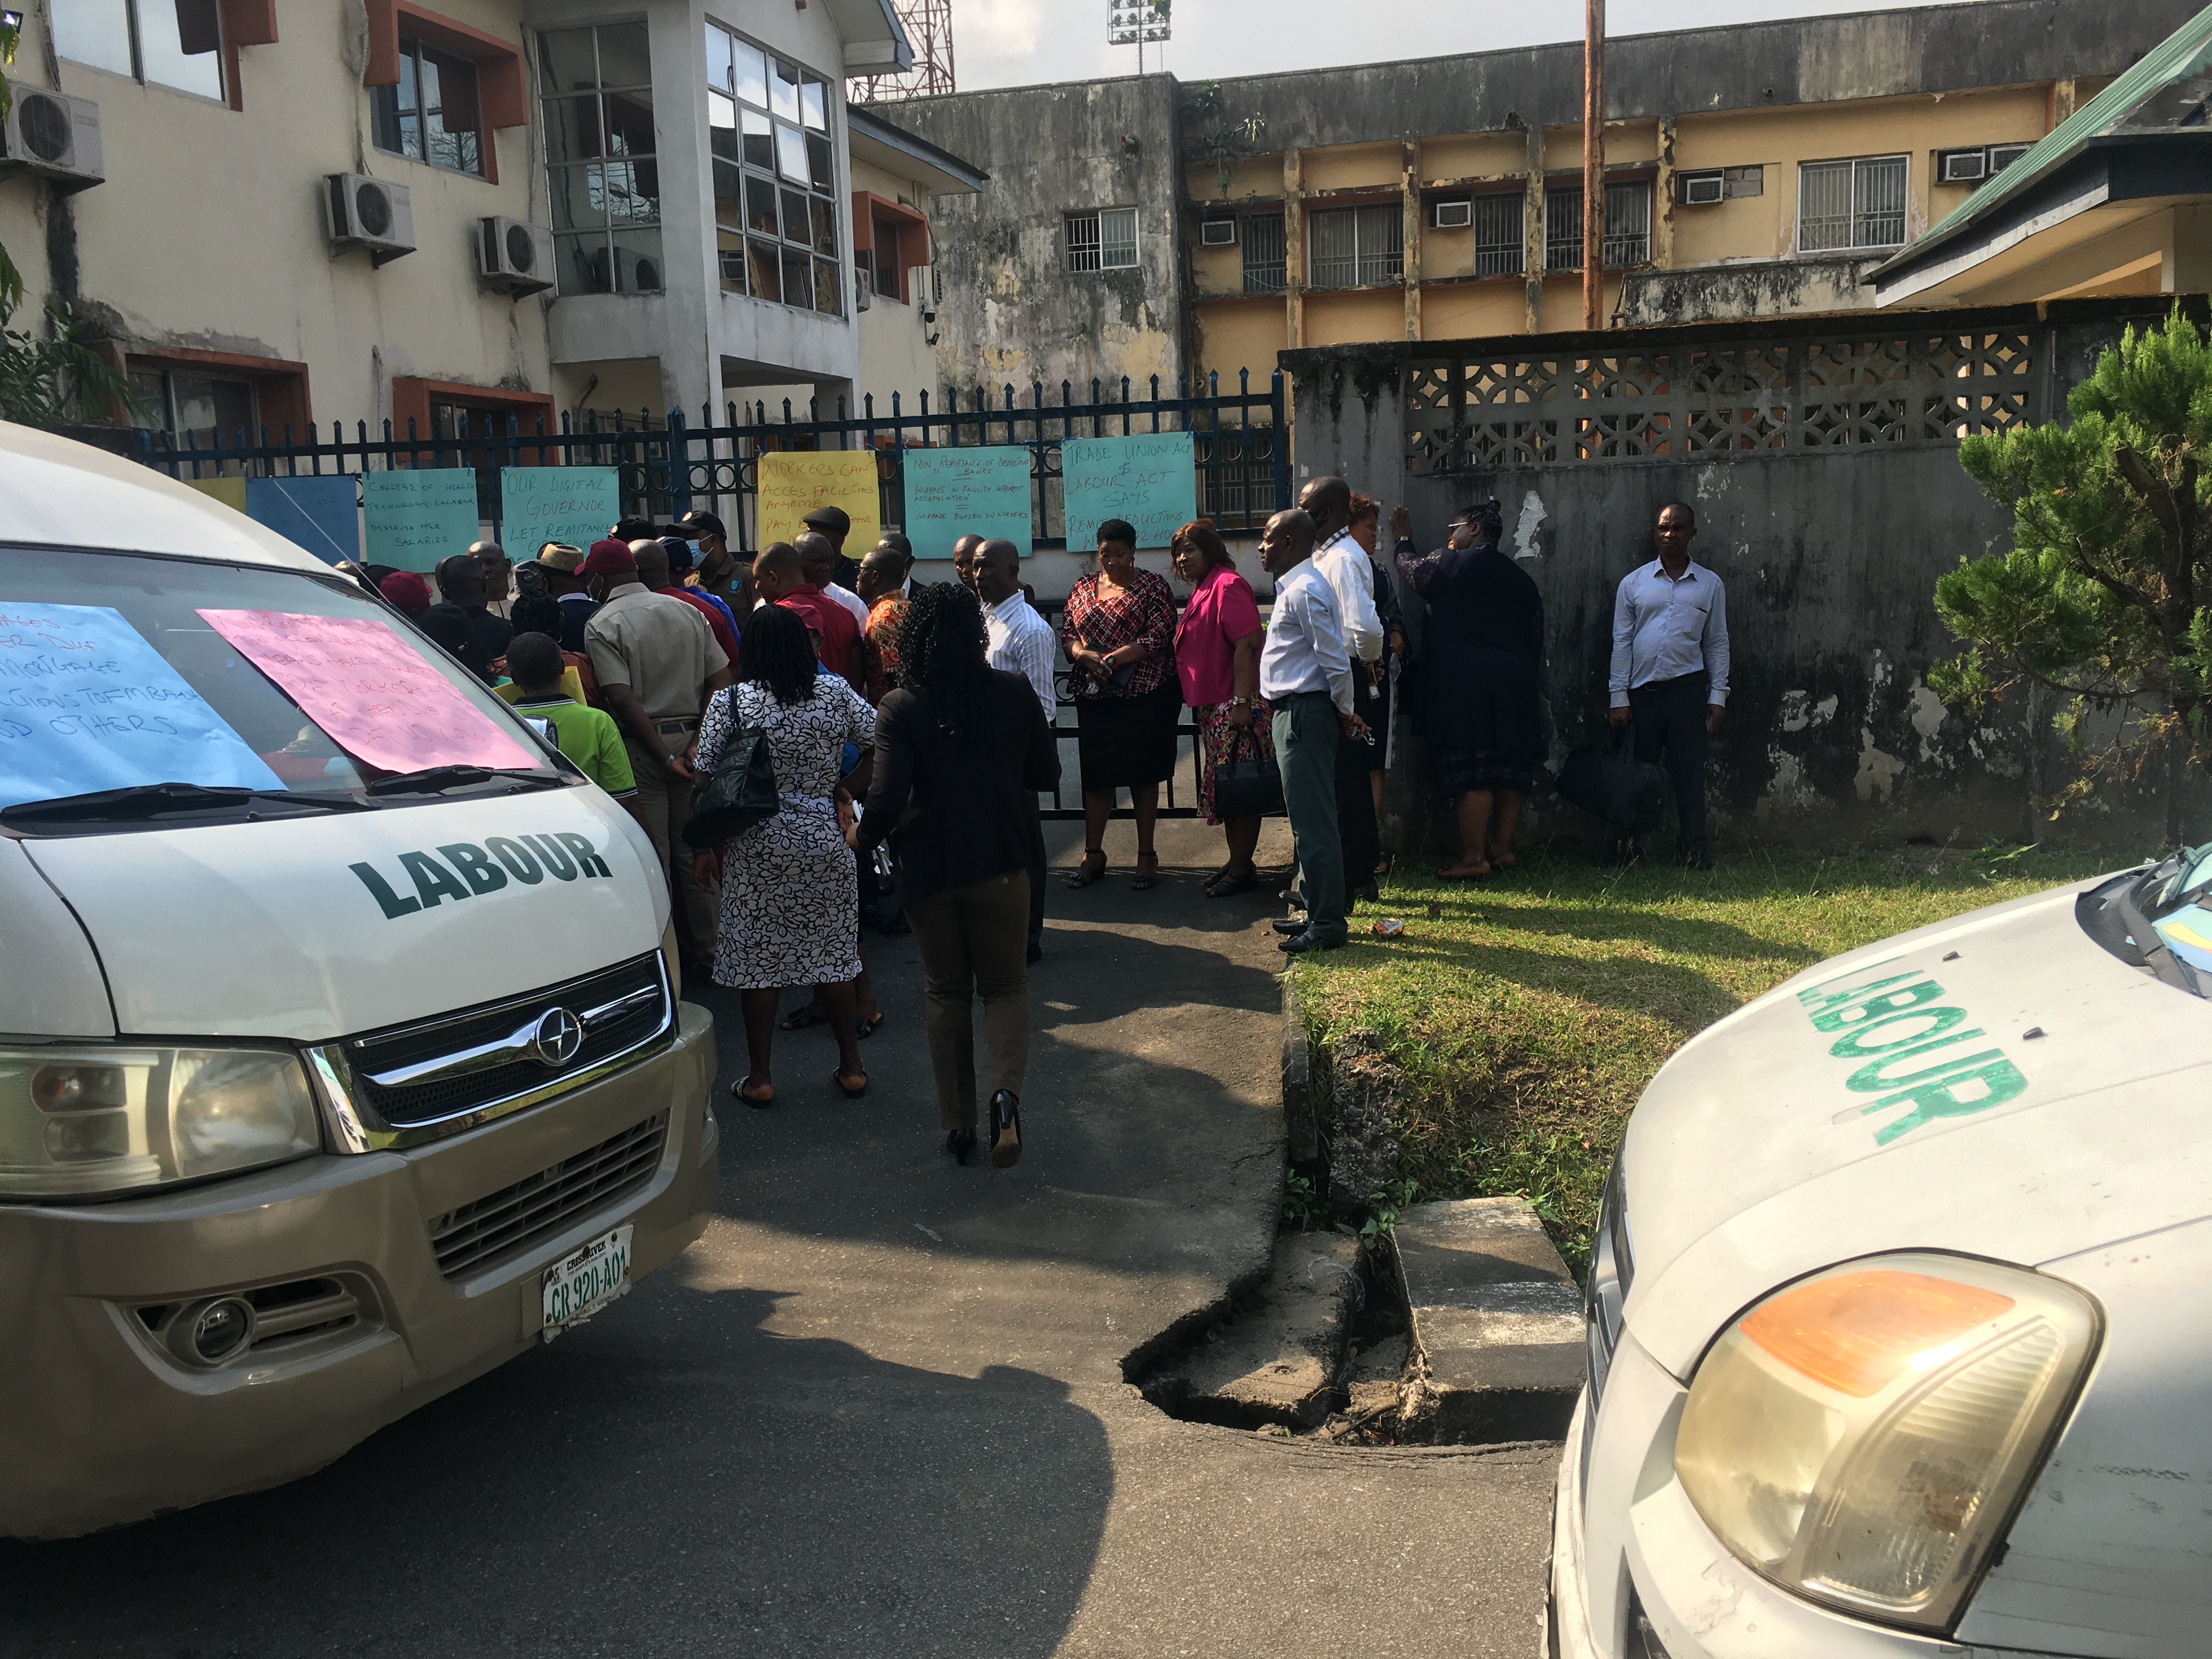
86,703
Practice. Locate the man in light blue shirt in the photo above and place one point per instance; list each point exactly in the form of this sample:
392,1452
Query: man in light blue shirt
1670,667
1305,677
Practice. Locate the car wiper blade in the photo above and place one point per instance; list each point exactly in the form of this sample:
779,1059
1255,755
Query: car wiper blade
433,778
144,802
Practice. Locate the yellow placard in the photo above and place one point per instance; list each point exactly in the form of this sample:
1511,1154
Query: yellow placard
793,483
231,492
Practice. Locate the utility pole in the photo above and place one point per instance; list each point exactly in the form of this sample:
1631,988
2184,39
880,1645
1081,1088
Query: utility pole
1593,164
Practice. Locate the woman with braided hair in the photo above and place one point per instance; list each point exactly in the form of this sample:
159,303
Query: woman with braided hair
962,749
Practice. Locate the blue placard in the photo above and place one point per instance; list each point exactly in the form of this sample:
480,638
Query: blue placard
577,505
322,514
952,493
86,703
419,515
1148,478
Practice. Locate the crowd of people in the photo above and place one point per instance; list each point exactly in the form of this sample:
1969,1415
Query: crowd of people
911,729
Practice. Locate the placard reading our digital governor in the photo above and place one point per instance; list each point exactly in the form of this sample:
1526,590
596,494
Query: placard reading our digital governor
952,493
417,516
1148,478
87,704
793,483
576,505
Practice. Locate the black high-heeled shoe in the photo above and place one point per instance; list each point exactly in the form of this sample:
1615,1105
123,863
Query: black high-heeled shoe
961,1143
1006,1130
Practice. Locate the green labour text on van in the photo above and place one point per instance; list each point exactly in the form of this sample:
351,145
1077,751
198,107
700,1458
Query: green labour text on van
1907,1046
462,869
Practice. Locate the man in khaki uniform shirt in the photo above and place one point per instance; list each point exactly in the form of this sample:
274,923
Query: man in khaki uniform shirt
657,664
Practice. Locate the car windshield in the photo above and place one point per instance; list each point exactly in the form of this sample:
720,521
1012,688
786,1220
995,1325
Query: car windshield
2158,918
135,689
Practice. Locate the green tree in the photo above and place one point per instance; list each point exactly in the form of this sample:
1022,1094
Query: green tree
2103,598
11,31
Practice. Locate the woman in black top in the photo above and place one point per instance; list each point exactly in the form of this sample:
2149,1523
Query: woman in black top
1481,658
961,750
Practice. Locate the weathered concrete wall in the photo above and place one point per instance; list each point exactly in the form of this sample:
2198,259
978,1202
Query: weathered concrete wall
1829,558
1011,313
1761,287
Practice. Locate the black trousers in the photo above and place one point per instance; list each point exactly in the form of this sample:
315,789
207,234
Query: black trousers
1670,717
1037,877
1356,830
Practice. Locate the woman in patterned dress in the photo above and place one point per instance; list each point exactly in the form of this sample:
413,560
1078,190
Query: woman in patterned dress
1119,632
1217,656
790,904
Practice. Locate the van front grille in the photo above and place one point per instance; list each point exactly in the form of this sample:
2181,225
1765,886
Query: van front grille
513,1220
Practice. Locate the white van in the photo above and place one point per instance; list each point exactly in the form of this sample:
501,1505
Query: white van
1898,1333
340,1055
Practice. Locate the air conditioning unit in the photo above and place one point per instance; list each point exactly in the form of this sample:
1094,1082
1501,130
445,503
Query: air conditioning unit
54,135
864,288
1700,189
921,283
1962,167
370,213
1458,212
1217,232
513,255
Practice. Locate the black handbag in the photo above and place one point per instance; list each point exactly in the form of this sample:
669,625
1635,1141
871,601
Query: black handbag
1612,784
1248,788
739,793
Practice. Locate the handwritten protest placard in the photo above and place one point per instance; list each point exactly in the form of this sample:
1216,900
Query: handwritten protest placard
1148,478
363,684
952,493
231,492
86,703
792,485
577,505
321,514
418,516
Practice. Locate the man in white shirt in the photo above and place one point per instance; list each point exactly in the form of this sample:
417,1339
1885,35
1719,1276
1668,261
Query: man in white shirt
1670,667
1351,577
1305,676
1019,639
817,561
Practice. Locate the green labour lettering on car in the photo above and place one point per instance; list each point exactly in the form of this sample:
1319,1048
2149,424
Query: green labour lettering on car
500,863
1907,1051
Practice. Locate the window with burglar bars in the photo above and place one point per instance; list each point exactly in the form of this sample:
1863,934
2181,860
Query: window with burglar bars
1854,203
1501,235
1103,241
1627,226
1261,237
775,180
1357,247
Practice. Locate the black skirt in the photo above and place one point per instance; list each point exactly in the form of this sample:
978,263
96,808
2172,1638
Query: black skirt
1125,742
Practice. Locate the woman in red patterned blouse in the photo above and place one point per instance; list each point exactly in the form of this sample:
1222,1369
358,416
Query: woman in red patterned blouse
1119,632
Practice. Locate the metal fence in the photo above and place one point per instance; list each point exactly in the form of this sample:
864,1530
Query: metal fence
667,467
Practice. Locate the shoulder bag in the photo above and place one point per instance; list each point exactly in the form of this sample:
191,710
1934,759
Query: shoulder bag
1249,788
739,793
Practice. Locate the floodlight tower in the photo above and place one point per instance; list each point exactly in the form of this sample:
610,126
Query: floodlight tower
929,25
1132,22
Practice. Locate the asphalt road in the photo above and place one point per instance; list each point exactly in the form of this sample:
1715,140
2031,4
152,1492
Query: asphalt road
879,1409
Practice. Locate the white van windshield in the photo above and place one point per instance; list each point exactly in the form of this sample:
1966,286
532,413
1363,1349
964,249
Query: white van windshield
142,690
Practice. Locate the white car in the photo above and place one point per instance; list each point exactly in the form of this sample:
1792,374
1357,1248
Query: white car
1899,1337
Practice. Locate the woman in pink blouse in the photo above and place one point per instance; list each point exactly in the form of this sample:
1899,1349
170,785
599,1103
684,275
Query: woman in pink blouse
1119,632
1216,654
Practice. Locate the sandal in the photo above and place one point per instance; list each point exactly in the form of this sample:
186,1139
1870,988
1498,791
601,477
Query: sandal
1084,875
1145,881
1230,888
741,1091
866,1028
850,1092
800,1018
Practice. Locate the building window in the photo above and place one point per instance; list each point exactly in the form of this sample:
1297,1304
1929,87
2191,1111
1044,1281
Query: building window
775,183
1501,237
1627,226
206,409
164,43
1357,247
434,114
1848,204
601,178
1103,241
1261,239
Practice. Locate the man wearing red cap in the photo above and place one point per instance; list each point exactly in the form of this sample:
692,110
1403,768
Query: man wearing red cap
657,664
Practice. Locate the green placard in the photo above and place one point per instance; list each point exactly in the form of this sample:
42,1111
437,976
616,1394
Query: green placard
577,505
1148,478
417,516
952,493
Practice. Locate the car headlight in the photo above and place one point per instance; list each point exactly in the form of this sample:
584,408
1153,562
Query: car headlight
87,1122
1863,1437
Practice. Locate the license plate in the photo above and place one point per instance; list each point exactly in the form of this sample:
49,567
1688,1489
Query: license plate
578,1286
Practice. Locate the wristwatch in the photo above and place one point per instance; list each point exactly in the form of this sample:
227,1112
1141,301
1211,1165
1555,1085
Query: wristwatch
1240,703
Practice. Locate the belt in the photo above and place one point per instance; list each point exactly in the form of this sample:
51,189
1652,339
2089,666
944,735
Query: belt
691,725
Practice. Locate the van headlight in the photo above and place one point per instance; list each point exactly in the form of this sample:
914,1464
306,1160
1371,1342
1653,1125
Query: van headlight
1864,1436
94,1121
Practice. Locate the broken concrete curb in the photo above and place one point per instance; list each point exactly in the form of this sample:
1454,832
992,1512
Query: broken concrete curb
1278,1360
1300,1120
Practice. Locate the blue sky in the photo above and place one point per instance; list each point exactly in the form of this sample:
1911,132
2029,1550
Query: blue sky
1006,43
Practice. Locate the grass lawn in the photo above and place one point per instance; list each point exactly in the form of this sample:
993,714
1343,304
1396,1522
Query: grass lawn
1528,1010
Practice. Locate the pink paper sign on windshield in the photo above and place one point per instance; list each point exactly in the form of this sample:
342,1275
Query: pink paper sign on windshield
364,686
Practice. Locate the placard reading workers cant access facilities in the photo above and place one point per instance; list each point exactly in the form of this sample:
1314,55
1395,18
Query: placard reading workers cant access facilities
1148,478
952,493
417,516
792,484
